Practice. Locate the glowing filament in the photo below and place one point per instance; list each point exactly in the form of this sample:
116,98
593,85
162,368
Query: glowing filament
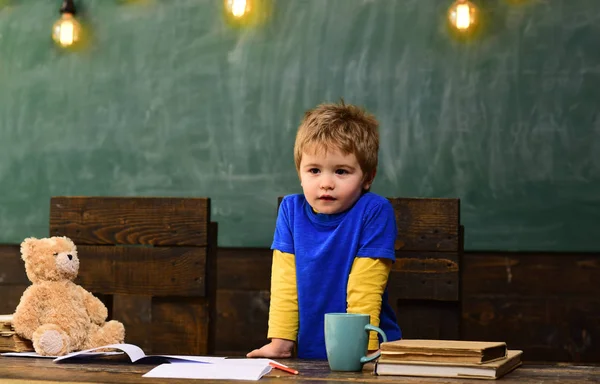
66,33
238,7
463,16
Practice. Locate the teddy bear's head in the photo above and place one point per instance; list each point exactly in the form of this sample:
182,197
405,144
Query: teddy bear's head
50,259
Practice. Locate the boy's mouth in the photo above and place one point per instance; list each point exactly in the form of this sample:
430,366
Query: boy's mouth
327,197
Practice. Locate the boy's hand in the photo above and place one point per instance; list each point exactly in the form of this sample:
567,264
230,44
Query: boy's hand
277,348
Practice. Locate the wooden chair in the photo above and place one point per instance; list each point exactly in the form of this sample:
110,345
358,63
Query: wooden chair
153,263
424,285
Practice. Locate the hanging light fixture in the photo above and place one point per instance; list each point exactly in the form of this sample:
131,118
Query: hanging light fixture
66,31
238,8
463,15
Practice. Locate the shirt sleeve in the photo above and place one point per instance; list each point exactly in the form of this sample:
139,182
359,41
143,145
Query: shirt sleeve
379,232
283,311
366,283
283,239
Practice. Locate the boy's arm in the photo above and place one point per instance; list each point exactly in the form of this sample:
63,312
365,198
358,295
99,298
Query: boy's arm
283,312
366,284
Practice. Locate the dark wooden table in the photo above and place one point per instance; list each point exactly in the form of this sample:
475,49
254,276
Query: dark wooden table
28,370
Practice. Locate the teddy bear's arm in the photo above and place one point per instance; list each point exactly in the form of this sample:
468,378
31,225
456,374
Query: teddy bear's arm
95,308
27,315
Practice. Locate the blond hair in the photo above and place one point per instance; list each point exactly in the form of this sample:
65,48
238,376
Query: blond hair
343,127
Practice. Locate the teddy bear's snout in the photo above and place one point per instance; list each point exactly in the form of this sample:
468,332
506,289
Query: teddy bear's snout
70,257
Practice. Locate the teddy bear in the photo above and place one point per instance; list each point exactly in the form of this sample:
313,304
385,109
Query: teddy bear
56,314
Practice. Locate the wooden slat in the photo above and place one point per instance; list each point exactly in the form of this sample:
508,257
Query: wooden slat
244,268
180,326
532,274
425,276
426,224
131,220
156,271
12,267
429,319
242,318
135,312
550,329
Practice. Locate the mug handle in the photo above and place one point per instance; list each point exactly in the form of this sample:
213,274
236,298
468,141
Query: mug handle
369,327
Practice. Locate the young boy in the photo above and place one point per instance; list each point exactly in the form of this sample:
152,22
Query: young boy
334,244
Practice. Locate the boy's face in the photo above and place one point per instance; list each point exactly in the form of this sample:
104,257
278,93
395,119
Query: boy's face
331,181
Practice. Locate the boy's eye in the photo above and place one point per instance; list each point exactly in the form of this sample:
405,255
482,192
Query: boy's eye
341,171
314,170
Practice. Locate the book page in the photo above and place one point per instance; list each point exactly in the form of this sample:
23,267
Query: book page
135,354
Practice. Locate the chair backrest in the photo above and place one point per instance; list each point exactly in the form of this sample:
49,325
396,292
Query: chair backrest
424,285
152,261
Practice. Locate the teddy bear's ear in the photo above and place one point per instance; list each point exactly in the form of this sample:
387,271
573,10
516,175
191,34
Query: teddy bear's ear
27,247
69,241
64,241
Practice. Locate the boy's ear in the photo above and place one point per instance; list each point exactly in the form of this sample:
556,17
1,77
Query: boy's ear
369,180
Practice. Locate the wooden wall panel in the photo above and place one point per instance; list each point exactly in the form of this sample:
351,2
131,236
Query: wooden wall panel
547,304
550,329
532,274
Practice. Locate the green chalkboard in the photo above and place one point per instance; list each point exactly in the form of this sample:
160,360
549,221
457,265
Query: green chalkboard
169,99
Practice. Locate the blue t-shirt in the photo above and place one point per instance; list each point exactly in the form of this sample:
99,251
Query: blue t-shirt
325,247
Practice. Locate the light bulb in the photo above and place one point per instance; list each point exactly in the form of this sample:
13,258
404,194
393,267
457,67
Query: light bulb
66,31
462,15
237,8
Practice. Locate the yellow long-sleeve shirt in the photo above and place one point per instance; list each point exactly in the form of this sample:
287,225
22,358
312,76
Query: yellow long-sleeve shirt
366,283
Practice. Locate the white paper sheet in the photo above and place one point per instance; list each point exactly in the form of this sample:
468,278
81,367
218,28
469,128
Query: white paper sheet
229,369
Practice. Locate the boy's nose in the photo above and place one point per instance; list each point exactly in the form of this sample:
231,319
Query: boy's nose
326,183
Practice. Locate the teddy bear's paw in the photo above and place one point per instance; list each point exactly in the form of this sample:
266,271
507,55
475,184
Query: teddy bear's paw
112,332
50,342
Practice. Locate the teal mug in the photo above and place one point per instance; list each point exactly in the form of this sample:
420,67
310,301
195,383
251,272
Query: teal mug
347,340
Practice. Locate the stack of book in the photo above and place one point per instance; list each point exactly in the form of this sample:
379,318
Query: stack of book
9,340
447,358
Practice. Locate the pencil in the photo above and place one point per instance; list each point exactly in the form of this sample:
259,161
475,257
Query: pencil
283,368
